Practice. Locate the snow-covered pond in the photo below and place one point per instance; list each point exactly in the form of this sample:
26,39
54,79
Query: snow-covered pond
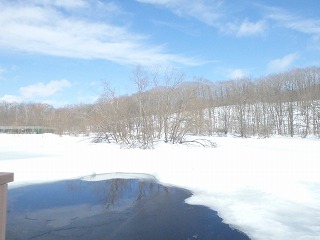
267,188
118,208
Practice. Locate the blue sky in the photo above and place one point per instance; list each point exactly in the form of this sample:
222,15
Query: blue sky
61,51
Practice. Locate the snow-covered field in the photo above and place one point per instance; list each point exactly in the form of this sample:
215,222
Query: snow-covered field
268,188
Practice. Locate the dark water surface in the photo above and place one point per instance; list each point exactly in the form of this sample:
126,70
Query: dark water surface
116,209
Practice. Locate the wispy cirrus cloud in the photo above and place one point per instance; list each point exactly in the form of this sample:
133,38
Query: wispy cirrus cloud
65,3
246,28
42,27
207,11
280,64
294,22
213,13
38,91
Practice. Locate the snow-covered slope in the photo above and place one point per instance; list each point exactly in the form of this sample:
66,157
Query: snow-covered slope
268,188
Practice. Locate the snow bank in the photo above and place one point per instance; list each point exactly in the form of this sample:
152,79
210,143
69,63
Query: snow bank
268,188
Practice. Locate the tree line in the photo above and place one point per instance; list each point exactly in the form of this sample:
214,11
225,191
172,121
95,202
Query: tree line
165,107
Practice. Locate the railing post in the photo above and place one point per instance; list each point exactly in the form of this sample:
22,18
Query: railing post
5,178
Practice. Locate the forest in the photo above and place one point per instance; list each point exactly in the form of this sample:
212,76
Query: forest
166,107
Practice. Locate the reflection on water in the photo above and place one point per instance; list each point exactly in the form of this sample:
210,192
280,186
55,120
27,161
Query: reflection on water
117,209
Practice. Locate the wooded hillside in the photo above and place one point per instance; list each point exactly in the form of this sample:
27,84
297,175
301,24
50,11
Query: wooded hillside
166,107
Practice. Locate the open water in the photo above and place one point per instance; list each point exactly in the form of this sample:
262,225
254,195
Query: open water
114,209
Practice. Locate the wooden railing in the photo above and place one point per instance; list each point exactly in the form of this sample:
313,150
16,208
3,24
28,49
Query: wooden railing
5,178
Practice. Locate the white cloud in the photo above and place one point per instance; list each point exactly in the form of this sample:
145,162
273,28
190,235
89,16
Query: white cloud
282,63
207,11
237,74
38,91
45,29
246,28
44,90
11,98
